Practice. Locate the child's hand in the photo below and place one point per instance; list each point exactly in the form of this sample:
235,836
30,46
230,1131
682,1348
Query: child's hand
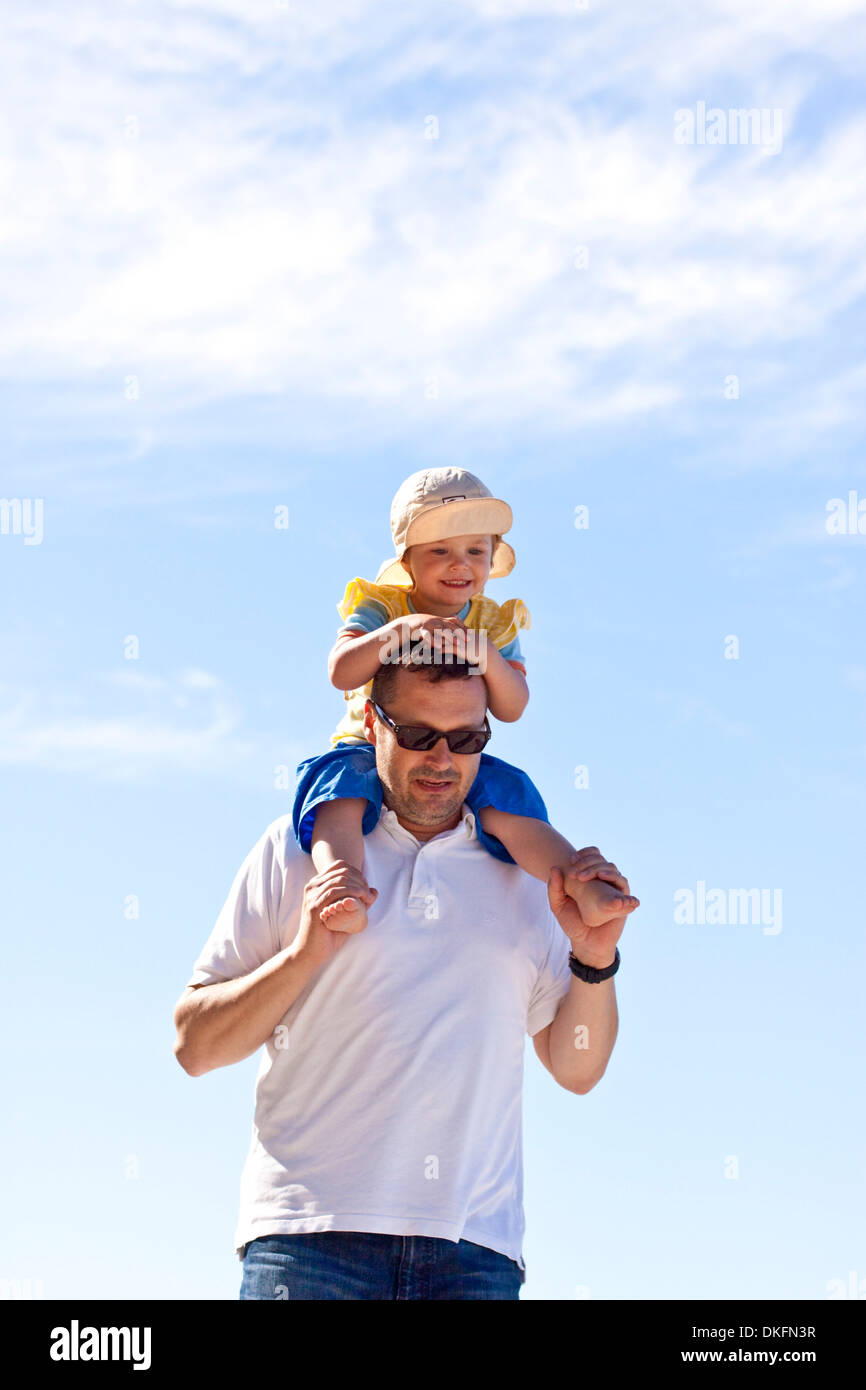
417,623
438,633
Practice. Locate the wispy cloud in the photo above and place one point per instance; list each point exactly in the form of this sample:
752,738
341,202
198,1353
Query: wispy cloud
244,219
687,708
187,722
804,528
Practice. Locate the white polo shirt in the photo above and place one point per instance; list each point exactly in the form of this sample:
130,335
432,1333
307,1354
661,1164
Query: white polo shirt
390,1096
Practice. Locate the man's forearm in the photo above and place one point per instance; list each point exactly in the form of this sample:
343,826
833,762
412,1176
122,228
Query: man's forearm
223,1023
583,1034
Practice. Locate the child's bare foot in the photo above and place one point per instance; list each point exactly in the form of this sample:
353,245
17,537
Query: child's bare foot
347,914
596,900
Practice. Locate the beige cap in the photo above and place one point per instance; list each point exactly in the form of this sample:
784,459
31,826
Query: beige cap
441,502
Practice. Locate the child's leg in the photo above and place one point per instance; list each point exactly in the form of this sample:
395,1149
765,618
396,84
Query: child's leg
538,848
337,834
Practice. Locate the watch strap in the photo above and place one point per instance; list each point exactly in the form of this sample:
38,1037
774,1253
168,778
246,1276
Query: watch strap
593,975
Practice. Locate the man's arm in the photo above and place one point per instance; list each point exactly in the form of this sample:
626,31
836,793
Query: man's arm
222,1023
219,1024
576,1046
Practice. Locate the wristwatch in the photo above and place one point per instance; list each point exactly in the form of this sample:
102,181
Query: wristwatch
590,973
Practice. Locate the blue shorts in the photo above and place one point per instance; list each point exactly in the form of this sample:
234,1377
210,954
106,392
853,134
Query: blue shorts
349,770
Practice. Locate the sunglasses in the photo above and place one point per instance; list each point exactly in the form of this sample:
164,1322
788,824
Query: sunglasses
419,738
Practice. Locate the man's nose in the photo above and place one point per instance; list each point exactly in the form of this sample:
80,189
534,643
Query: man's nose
440,753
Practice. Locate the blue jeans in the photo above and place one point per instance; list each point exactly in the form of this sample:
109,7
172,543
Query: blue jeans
366,1264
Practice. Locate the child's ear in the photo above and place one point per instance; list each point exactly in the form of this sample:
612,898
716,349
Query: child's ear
404,562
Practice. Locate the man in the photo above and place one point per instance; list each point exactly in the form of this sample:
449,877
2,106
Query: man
386,1157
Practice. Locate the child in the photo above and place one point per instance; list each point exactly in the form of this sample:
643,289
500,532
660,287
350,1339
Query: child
447,530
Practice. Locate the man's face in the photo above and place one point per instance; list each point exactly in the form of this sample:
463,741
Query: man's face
428,789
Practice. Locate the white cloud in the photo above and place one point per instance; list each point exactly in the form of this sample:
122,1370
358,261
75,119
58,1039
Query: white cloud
136,680
687,707
222,199
807,528
146,738
200,680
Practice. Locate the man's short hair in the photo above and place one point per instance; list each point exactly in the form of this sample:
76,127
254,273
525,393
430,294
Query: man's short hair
385,679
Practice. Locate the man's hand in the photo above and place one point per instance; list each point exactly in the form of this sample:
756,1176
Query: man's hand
592,932
319,941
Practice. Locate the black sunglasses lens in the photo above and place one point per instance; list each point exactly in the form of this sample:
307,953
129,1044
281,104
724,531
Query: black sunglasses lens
416,738
467,740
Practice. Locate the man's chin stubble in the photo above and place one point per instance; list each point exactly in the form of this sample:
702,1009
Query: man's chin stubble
425,812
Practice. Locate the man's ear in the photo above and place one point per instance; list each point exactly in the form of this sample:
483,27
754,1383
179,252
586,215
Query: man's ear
369,723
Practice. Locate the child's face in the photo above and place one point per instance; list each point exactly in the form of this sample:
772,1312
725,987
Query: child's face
450,571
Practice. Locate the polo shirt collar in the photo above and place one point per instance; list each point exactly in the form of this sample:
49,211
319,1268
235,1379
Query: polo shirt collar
465,828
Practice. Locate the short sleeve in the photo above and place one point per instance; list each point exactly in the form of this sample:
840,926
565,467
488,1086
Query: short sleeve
245,933
553,981
511,651
368,616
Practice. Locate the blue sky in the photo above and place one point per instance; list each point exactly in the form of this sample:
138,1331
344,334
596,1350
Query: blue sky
239,276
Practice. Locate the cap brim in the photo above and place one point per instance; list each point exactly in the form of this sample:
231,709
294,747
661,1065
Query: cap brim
474,516
392,572
504,561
